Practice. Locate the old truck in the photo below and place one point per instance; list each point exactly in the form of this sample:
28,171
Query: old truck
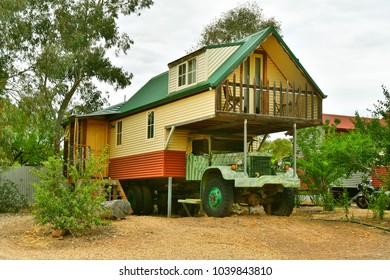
231,176
190,136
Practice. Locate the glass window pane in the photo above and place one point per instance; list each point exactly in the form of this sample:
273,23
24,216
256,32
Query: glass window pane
150,128
182,75
192,71
119,133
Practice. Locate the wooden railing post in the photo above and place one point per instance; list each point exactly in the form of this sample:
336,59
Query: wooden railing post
281,98
234,93
306,102
293,100
218,99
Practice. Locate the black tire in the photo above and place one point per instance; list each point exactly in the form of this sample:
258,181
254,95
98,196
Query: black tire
162,204
362,202
147,201
134,196
218,197
283,203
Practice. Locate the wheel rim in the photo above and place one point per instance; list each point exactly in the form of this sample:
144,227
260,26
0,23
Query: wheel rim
215,197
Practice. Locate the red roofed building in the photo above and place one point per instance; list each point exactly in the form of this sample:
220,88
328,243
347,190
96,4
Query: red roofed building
345,125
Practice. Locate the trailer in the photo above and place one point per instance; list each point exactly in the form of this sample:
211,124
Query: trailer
189,139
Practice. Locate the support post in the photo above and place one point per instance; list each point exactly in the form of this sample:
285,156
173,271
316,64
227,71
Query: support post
245,149
169,137
169,197
295,149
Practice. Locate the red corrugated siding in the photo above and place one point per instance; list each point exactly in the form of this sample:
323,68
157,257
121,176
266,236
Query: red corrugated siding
380,171
175,164
149,165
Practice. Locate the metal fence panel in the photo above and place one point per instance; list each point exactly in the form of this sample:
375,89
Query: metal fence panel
22,177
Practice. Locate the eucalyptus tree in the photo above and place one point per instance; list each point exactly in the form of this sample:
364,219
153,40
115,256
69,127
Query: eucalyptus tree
54,50
236,24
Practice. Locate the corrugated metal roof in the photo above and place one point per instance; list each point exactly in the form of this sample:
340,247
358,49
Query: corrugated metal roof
153,92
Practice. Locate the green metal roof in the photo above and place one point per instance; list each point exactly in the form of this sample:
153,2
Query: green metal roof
155,91
152,93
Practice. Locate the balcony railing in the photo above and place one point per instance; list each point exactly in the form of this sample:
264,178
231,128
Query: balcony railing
282,99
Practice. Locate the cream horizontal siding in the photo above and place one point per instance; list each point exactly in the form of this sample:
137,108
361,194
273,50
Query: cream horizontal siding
134,127
178,140
236,72
201,71
133,136
172,82
273,73
216,57
284,62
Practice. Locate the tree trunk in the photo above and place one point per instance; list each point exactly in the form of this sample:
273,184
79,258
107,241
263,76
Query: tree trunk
60,117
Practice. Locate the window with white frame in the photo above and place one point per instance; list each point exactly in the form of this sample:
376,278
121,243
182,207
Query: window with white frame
187,73
150,126
119,133
192,71
182,74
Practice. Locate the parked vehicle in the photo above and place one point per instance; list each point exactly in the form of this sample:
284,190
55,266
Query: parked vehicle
366,192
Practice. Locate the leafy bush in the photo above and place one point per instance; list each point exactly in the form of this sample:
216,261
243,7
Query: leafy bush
72,207
11,200
378,204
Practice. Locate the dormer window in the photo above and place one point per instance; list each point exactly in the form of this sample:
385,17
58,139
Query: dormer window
187,73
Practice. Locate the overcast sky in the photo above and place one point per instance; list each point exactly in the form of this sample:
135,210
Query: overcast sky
343,44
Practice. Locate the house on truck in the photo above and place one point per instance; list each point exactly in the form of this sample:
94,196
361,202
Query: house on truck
191,134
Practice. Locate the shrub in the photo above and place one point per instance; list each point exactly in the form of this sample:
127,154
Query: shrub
344,202
72,207
378,204
11,200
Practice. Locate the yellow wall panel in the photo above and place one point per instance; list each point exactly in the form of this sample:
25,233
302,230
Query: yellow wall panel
285,64
135,126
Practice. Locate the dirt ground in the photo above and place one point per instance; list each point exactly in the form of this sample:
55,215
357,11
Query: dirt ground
308,233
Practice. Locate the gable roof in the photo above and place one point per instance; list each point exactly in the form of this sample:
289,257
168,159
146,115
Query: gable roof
155,91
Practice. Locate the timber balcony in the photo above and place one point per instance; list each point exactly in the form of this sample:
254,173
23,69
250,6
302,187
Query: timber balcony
271,99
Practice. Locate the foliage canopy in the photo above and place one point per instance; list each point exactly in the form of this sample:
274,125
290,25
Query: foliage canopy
53,51
236,24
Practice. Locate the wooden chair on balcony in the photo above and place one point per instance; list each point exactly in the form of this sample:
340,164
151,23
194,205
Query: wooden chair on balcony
232,103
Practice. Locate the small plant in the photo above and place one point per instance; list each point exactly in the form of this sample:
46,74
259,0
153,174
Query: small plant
379,203
11,200
322,197
344,201
71,207
328,202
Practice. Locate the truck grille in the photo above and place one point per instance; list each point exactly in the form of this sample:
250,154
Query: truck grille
259,165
